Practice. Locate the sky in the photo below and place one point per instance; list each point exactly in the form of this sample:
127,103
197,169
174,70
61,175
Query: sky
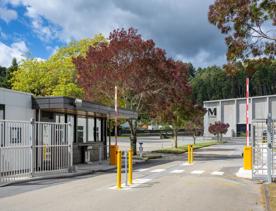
36,28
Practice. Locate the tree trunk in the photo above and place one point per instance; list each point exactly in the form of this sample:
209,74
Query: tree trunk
175,132
133,136
194,137
218,139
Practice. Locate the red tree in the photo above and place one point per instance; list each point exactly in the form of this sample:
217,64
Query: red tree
139,70
173,105
218,128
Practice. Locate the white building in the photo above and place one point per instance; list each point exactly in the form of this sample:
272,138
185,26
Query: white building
232,111
16,105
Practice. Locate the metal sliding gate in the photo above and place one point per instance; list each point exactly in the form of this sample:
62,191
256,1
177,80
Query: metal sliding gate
264,149
30,149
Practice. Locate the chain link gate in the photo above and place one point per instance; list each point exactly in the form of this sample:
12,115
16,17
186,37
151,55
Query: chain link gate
30,149
264,149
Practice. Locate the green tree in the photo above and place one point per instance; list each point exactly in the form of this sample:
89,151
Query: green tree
7,73
55,76
3,76
248,25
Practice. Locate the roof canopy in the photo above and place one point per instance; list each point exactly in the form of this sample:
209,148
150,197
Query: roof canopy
78,106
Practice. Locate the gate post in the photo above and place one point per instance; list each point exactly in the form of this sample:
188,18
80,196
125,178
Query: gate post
33,150
70,147
269,147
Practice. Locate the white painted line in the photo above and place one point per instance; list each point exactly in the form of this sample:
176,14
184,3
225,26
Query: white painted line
217,173
142,170
177,171
157,170
187,164
197,172
135,183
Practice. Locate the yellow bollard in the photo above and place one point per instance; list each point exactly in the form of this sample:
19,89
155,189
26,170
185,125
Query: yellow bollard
247,158
190,153
130,167
119,169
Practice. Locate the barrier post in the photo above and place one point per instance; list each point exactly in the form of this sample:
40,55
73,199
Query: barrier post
190,153
130,167
119,169
247,158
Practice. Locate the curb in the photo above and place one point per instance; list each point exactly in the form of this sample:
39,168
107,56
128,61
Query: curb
62,176
267,198
65,175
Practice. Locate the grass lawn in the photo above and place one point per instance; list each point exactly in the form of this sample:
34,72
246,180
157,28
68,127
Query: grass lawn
183,149
272,195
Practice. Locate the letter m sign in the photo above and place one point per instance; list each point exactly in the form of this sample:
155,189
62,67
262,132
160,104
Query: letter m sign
212,112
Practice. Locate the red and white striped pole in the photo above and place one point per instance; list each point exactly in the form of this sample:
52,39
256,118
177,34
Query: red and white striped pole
116,114
247,115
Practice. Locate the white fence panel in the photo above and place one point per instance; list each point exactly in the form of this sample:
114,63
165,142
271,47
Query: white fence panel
33,148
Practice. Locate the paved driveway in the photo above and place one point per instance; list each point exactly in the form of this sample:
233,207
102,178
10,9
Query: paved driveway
164,184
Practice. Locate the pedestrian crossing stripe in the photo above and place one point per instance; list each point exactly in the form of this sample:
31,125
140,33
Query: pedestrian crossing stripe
157,170
197,172
217,173
142,170
177,171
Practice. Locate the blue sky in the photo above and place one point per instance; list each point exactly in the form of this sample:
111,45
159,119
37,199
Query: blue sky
36,28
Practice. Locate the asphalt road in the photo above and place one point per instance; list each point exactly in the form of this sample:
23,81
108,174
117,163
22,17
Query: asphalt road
163,184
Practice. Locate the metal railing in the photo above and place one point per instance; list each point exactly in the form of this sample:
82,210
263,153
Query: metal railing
33,148
264,149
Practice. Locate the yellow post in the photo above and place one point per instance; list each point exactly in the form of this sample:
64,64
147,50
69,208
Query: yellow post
247,158
119,169
44,152
112,154
189,153
130,167
192,153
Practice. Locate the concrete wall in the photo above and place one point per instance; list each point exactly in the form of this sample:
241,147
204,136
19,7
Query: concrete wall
18,105
232,111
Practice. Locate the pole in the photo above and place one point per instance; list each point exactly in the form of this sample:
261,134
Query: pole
130,167
116,114
247,105
119,169
269,147
126,167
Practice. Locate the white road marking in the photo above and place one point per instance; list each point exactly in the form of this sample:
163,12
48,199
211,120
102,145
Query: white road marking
142,170
157,170
135,183
197,172
217,173
177,171
187,164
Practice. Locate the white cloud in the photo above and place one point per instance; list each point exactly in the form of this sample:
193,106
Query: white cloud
179,26
203,59
16,50
7,14
45,32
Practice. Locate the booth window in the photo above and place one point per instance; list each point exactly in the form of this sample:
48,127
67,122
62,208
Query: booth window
2,111
81,129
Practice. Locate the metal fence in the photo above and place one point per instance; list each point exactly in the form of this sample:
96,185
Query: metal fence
264,149
32,148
